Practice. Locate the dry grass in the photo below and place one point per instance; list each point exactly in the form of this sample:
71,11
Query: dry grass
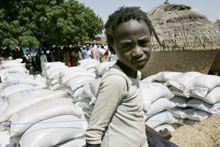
202,134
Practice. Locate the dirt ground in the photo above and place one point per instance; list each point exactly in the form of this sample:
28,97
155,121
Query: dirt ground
202,134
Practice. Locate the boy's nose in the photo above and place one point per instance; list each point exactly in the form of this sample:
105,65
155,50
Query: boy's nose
137,52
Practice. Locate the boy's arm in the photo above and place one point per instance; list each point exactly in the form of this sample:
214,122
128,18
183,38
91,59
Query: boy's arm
92,145
165,134
111,91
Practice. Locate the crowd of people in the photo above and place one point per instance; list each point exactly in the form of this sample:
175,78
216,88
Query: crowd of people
69,54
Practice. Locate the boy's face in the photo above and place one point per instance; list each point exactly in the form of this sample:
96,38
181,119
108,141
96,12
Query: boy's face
132,44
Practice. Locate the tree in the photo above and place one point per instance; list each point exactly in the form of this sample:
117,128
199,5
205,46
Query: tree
33,22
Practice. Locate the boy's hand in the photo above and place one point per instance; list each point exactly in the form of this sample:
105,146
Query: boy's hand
165,134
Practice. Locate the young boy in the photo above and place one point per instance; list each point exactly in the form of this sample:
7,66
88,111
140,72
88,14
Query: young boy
117,119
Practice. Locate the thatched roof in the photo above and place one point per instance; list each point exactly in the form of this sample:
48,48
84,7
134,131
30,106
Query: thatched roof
180,28
217,24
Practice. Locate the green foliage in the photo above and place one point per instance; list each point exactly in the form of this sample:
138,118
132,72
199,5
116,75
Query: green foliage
28,23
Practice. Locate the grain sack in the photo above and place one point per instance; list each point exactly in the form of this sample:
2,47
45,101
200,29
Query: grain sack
179,82
79,82
201,85
11,64
29,101
19,60
54,75
52,131
77,142
161,118
160,105
14,79
55,68
201,105
15,88
103,67
179,112
197,115
40,111
55,87
20,96
153,91
165,76
3,106
66,79
180,102
213,96
88,63
84,92
190,113
53,64
148,79
16,70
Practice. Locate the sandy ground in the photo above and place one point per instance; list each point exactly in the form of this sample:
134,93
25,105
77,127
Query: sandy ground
202,134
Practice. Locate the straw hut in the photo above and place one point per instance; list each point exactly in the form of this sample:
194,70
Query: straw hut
216,63
190,40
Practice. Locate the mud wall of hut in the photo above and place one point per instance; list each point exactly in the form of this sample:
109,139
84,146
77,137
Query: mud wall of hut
182,61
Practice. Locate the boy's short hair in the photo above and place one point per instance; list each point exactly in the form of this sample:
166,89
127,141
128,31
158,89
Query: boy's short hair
124,14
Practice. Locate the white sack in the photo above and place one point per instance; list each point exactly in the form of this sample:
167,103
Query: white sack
11,64
20,96
201,105
180,81
149,79
53,64
16,70
66,79
103,67
84,92
15,88
52,131
153,91
79,82
201,85
14,79
77,142
165,76
40,111
197,115
52,69
161,118
179,112
179,101
213,96
55,87
19,60
160,105
29,101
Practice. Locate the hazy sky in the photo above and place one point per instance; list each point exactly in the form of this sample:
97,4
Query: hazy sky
209,8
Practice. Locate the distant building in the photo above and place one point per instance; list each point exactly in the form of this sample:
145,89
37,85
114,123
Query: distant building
98,39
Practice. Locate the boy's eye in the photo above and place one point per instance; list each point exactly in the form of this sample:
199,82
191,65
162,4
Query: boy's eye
144,43
127,45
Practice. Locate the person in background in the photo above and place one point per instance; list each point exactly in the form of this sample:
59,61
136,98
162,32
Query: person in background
117,119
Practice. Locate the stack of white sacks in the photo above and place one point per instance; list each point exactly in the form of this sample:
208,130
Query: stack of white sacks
38,117
54,111
197,95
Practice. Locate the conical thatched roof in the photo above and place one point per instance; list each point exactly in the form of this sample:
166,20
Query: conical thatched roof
180,28
217,24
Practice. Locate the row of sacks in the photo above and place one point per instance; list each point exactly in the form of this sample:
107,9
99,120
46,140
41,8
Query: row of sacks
197,96
40,117
76,80
13,66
